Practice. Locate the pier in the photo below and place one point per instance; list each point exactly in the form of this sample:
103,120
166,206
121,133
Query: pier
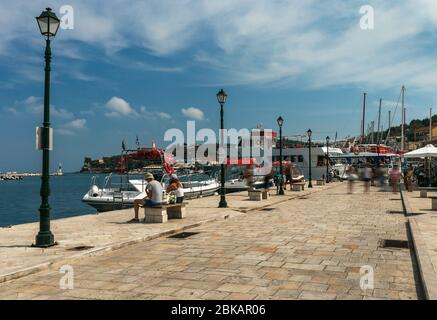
11,176
309,244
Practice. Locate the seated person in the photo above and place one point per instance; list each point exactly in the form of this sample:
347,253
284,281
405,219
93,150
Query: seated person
154,196
176,185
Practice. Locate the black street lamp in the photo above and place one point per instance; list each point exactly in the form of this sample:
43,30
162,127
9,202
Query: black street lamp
309,132
327,159
221,98
280,123
48,24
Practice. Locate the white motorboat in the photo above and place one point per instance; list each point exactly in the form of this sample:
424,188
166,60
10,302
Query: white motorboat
117,196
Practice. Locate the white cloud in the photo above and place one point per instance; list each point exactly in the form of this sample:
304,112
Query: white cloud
118,107
76,124
35,105
163,115
72,127
193,113
314,44
145,113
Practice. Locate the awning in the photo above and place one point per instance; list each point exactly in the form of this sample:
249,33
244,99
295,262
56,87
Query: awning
428,151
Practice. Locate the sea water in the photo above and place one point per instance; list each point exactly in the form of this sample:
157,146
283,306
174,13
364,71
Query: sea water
20,199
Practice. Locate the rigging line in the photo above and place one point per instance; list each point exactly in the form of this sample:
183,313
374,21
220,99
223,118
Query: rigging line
392,119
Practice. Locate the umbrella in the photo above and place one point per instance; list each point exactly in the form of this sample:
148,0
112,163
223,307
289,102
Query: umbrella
427,151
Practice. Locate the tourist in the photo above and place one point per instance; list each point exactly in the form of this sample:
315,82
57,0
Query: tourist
249,171
352,176
395,175
367,175
176,186
267,179
153,198
409,179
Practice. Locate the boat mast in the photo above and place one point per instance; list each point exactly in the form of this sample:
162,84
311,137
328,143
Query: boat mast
378,137
403,120
389,127
430,124
364,119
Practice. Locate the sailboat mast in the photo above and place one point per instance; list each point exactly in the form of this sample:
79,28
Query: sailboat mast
364,119
378,137
430,124
389,127
403,120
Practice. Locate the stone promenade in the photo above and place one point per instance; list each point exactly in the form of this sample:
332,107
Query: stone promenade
305,245
423,224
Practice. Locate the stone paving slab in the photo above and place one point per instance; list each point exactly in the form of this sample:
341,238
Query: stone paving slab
109,231
423,226
310,247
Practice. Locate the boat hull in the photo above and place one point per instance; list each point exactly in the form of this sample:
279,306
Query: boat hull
109,203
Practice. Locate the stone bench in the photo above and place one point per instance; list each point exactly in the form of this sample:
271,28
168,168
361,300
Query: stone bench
321,182
433,203
265,194
424,191
255,195
167,211
298,186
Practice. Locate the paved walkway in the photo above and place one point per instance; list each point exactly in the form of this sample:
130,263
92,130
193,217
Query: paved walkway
424,230
311,247
107,231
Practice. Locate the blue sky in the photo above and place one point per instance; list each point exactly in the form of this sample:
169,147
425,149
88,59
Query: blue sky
141,67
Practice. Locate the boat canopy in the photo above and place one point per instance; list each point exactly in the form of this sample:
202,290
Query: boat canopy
362,155
332,150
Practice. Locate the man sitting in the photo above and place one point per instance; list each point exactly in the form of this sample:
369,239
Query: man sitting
154,196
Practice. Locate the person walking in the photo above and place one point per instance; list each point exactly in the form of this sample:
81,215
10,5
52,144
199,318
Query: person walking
395,176
367,176
409,178
352,176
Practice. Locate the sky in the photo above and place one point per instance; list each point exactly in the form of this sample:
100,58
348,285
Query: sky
127,68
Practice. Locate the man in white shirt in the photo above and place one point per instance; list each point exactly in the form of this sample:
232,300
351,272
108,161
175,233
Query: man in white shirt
154,196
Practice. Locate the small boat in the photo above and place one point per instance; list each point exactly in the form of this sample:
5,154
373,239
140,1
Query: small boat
117,196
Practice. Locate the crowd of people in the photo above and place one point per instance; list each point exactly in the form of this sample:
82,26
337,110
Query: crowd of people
372,174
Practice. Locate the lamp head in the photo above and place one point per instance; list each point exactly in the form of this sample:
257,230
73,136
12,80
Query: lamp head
48,23
222,96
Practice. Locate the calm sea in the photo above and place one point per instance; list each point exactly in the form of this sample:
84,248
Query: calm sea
20,200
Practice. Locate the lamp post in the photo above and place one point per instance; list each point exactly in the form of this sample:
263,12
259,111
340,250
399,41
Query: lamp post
280,121
327,159
48,24
309,132
221,98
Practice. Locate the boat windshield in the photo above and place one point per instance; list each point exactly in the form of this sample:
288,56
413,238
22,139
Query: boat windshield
188,180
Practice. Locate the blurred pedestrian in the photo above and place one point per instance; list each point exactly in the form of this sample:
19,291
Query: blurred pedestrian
395,176
367,175
352,176
409,179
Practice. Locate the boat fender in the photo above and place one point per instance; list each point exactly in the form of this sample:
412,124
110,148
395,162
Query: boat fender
94,191
169,168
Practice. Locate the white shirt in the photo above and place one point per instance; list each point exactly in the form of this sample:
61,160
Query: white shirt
179,192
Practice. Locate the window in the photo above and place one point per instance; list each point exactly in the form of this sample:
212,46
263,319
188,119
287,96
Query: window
300,158
320,161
